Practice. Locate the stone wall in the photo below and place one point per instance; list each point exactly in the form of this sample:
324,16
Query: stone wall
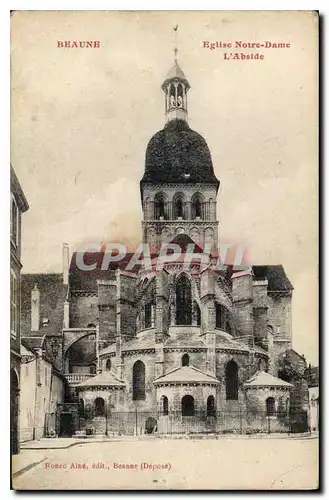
83,310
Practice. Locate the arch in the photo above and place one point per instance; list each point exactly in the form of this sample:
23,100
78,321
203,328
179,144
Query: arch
270,407
91,325
81,408
183,301
195,235
188,406
172,96
148,315
197,206
138,381
211,408
185,360
178,205
231,380
99,407
165,405
108,364
160,206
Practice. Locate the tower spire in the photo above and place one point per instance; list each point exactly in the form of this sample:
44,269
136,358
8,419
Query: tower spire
175,88
175,28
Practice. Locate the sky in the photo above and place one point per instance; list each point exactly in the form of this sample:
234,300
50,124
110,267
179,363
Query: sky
81,120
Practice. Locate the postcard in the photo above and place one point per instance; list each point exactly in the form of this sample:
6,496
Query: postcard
164,250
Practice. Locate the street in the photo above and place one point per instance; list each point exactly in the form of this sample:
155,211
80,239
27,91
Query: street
228,463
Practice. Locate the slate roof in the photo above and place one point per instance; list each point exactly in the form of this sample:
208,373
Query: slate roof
32,343
186,374
104,379
175,73
276,276
178,154
264,379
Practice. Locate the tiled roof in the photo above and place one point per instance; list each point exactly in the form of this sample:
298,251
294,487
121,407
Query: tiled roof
185,338
144,340
104,379
264,379
186,374
225,341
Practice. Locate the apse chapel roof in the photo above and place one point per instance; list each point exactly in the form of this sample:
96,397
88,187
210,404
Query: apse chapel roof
186,374
103,379
264,379
178,154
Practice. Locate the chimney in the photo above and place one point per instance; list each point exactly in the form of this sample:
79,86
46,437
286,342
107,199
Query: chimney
35,309
65,257
66,320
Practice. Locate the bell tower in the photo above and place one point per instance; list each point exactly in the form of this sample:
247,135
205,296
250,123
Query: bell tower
179,188
175,88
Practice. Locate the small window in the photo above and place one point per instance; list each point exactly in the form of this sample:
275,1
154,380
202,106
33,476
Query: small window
270,407
165,406
14,215
108,365
185,360
231,380
138,381
211,410
219,315
148,315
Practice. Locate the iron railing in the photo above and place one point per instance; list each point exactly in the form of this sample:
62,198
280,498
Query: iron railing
156,424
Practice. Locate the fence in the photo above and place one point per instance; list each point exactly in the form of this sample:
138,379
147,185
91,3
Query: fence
152,423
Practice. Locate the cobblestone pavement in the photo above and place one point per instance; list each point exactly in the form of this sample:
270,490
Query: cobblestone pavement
176,464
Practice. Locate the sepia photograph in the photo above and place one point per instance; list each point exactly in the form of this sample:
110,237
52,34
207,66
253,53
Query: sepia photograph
164,250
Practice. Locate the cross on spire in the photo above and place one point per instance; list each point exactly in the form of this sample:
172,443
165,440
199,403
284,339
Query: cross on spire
175,28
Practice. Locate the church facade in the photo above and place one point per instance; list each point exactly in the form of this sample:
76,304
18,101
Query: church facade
175,348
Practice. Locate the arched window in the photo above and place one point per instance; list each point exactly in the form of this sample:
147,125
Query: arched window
99,407
211,409
231,380
183,301
91,325
159,206
148,315
185,360
187,406
165,406
197,206
81,408
138,381
270,407
178,206
108,364
219,315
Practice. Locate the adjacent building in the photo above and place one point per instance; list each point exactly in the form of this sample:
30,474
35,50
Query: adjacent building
18,205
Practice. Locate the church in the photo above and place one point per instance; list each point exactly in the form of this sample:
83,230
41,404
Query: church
170,350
